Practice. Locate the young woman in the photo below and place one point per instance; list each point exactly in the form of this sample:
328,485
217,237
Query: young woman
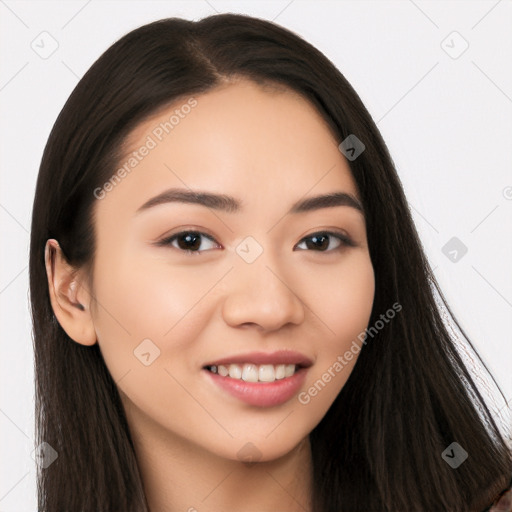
232,309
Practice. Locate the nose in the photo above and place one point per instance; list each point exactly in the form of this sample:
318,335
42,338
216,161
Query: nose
260,295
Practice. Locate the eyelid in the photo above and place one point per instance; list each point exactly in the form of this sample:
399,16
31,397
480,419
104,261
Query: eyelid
167,239
345,239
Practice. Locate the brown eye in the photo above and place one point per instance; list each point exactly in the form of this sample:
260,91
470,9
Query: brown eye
187,241
322,241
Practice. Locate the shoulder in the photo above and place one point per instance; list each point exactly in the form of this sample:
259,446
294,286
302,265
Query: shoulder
503,503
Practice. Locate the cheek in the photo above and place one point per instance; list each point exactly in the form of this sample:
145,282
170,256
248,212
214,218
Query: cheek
345,310
141,299
343,301
149,297
149,321
352,300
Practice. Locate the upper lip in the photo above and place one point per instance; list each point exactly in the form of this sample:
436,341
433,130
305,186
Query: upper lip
279,357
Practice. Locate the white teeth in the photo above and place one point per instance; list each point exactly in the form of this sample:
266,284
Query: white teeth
254,373
267,373
235,372
289,370
280,371
250,373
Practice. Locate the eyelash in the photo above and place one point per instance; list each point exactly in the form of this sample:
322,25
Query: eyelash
344,240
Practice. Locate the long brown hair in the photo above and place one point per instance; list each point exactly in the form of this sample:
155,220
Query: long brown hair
409,395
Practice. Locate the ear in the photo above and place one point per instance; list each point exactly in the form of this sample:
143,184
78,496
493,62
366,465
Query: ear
69,297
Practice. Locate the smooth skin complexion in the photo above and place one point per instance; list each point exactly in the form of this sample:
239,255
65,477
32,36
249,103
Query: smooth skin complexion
268,149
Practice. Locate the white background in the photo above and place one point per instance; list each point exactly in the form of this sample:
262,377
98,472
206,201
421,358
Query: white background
447,122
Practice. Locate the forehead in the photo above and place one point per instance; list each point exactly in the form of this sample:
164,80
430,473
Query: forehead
261,144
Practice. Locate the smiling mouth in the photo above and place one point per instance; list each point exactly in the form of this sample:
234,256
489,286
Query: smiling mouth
249,372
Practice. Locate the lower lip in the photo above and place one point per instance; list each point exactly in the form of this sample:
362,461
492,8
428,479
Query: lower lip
261,394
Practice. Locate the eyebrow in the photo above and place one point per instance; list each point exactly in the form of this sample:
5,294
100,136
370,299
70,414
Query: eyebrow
230,204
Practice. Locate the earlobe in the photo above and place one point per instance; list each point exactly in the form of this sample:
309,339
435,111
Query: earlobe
69,298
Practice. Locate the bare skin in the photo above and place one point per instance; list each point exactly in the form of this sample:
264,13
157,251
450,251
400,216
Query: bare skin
268,149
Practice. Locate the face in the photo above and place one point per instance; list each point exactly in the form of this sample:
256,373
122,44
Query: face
253,280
